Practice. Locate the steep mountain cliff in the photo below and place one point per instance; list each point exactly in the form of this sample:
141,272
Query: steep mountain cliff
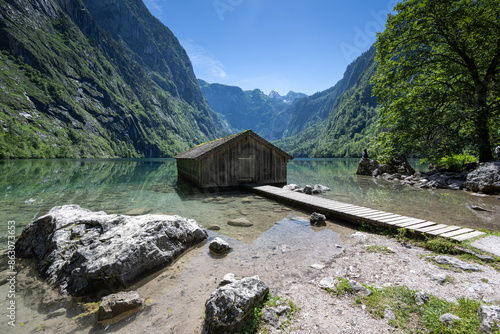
266,115
338,122
96,78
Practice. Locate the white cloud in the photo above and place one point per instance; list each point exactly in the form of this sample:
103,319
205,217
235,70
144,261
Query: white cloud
204,62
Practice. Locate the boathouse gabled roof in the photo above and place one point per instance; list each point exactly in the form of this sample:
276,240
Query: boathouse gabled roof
201,151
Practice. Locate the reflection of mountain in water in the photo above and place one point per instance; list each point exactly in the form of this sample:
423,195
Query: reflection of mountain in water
30,188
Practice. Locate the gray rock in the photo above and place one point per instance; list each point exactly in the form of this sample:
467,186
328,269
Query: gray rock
485,258
240,222
421,298
116,304
448,318
473,287
6,276
359,288
57,313
318,266
389,314
478,208
227,279
84,252
229,305
321,188
485,178
401,165
328,283
273,315
377,172
317,219
269,316
219,246
308,190
490,318
439,277
291,187
360,237
456,263
367,167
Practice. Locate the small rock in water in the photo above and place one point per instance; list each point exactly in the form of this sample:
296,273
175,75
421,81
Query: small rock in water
240,222
247,200
138,211
219,246
118,303
317,219
478,208
57,313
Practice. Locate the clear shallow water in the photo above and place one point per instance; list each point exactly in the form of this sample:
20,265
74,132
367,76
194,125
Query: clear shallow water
452,207
272,248
30,188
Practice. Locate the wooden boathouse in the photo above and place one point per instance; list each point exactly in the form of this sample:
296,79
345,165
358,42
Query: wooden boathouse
228,162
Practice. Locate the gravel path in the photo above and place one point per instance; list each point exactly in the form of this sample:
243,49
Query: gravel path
404,266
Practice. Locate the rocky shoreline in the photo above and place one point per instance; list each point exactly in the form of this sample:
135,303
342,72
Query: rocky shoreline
61,239
485,178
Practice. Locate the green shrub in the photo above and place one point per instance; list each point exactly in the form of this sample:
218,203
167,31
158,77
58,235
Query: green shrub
455,162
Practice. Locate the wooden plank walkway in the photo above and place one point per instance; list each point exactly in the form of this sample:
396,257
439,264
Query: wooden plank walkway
358,214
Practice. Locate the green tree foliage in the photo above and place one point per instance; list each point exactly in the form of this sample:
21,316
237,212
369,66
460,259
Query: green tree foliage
439,78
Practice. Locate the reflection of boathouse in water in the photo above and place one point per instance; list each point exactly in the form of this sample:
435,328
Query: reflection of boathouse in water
241,158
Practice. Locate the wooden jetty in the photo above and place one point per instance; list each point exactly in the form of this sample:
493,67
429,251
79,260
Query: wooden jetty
358,214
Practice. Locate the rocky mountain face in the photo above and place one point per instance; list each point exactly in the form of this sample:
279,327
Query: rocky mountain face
96,78
318,107
243,110
338,122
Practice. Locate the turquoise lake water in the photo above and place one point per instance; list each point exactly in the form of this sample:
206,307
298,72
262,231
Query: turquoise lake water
279,245
30,188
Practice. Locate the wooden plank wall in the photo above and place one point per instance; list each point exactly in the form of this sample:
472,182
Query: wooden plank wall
222,169
190,169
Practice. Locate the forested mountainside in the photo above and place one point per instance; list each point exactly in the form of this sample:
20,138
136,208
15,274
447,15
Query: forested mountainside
338,122
266,115
96,78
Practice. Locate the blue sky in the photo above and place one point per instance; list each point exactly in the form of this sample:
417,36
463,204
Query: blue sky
281,45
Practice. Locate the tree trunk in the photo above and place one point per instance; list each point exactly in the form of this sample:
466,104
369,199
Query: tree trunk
482,129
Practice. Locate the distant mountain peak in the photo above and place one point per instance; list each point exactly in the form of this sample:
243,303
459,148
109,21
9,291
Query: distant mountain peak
275,96
288,98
